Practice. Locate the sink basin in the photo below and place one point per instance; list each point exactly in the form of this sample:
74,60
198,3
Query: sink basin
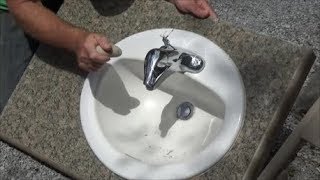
136,133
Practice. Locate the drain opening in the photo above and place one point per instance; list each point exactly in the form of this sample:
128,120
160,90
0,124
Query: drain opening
185,111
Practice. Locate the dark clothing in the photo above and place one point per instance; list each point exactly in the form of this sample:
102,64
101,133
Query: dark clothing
16,50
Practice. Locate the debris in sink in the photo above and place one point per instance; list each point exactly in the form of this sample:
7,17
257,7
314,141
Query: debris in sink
132,157
169,152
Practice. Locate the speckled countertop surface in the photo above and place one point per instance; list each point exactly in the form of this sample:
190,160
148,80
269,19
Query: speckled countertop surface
43,113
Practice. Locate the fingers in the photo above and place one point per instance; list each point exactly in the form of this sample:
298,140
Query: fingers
95,60
95,66
89,67
85,67
98,57
198,8
201,14
213,14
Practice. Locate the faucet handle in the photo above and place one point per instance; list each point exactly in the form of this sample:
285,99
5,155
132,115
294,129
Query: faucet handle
191,63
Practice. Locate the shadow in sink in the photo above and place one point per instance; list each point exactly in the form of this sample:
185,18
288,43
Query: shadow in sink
168,116
188,89
182,88
108,88
134,66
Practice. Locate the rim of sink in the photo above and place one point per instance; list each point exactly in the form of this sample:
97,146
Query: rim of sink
230,93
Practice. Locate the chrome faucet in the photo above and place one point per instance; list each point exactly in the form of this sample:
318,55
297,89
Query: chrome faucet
161,62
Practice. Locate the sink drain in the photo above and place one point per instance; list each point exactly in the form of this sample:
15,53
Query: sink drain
185,111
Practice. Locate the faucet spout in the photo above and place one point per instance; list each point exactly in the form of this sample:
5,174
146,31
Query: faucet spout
153,68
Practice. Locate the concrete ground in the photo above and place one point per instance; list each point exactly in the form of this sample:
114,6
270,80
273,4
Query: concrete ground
297,21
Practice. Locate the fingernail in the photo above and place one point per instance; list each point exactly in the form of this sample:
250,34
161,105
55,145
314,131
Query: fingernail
214,19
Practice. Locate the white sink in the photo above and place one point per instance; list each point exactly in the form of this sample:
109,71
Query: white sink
136,132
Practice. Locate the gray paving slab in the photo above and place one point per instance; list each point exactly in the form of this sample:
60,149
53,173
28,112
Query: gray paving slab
16,165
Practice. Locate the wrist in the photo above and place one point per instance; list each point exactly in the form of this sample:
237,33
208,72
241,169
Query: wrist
80,36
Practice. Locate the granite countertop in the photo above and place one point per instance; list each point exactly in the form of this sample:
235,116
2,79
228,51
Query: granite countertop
43,112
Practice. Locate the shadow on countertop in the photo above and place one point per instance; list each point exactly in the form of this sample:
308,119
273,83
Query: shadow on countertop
111,7
56,57
60,59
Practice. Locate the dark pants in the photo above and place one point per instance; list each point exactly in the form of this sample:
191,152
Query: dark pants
16,50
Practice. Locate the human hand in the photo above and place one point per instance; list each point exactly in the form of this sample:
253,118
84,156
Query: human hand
198,8
88,57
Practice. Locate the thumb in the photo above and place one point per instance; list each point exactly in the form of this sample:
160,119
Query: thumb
105,45
213,15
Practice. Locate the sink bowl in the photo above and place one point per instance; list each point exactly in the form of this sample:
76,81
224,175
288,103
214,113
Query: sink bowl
136,133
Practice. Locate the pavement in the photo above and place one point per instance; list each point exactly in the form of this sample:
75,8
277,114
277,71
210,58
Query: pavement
297,21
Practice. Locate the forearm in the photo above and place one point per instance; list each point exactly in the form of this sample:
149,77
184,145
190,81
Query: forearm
44,25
